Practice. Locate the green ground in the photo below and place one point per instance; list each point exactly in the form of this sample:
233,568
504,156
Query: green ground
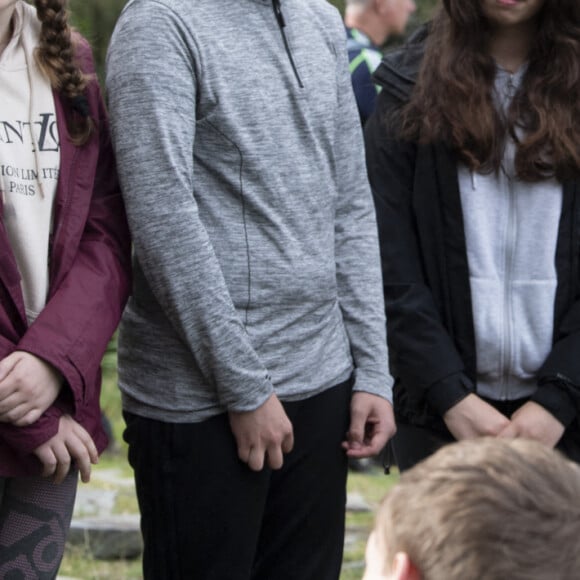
79,564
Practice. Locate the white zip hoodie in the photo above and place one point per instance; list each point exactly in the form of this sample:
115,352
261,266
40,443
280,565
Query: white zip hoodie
511,230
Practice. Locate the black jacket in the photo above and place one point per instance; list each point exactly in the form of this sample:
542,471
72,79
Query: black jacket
425,270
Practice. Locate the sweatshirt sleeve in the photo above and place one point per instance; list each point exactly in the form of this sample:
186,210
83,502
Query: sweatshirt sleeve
152,88
356,246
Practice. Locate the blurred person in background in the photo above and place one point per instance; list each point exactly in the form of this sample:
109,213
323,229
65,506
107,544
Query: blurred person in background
369,23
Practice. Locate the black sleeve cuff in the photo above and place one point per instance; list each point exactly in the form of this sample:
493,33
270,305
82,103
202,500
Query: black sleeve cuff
447,392
555,397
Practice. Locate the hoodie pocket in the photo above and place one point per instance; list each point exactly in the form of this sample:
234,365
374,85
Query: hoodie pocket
533,323
488,315
513,331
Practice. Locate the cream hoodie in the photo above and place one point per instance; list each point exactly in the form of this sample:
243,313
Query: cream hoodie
29,157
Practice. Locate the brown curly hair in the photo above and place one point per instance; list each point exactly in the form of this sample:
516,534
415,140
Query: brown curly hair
452,100
56,57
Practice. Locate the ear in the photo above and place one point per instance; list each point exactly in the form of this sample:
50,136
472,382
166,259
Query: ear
403,568
382,7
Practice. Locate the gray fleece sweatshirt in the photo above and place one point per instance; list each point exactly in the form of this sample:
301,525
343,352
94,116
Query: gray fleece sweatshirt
241,161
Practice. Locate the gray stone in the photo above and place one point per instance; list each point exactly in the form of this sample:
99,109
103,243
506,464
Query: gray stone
356,503
108,538
93,502
112,477
351,537
356,565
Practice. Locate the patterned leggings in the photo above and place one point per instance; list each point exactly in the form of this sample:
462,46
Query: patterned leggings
35,516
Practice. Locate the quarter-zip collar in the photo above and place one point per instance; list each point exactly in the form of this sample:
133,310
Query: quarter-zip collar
282,25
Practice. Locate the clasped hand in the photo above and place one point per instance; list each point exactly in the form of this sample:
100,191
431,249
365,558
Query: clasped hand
71,443
472,417
28,387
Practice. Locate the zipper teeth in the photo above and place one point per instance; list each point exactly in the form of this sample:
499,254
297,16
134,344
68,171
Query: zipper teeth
506,351
509,258
281,26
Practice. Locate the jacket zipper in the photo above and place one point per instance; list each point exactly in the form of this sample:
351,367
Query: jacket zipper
511,239
282,26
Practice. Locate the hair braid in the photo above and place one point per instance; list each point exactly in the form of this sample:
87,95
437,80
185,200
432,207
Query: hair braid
56,56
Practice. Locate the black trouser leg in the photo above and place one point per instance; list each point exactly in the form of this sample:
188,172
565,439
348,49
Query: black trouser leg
303,529
205,515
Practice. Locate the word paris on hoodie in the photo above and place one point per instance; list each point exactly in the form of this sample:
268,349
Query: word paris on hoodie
29,158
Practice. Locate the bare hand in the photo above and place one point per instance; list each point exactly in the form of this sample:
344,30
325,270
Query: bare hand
372,424
472,417
28,387
71,443
264,434
532,421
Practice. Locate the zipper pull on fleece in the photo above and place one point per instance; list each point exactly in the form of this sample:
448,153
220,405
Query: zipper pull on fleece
278,12
282,24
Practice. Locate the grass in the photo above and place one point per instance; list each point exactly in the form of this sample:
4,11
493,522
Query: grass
78,563
372,487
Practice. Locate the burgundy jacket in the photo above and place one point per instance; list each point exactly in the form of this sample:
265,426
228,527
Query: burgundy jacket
89,265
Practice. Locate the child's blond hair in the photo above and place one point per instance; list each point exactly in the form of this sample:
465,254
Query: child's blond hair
486,509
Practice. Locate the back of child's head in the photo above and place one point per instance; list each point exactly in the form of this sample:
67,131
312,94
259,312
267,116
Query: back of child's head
486,509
